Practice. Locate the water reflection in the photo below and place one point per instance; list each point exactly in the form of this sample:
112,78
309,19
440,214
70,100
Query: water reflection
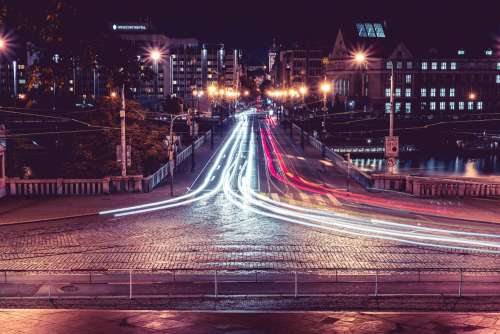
417,164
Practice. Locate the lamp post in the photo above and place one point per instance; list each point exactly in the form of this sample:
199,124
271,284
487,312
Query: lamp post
360,58
3,48
391,149
155,56
123,141
325,89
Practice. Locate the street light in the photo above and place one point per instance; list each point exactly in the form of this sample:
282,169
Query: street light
155,55
360,58
325,89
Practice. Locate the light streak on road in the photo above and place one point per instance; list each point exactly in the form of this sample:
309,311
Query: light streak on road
236,179
190,197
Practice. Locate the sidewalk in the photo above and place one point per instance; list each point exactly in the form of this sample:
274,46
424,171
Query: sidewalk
45,321
15,210
313,167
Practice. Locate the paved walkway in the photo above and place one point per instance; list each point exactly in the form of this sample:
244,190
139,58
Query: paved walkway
117,322
313,167
19,209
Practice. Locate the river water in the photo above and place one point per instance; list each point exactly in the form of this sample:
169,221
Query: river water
416,163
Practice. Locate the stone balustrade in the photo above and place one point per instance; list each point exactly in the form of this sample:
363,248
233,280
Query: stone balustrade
428,187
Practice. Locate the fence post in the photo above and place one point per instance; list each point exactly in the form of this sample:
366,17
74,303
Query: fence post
130,284
460,283
215,284
376,282
296,286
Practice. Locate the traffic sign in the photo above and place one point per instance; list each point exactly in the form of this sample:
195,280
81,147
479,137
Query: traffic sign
391,147
391,162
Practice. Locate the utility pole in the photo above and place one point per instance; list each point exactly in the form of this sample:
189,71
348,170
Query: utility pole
123,138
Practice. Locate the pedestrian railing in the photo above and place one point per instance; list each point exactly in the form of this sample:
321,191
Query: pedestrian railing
136,283
152,181
362,178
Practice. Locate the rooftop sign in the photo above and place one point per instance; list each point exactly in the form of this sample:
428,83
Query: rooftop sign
129,27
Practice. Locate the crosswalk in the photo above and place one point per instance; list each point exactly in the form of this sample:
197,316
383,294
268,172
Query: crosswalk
304,199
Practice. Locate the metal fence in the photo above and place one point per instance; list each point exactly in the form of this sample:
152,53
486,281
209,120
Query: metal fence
152,181
135,283
340,162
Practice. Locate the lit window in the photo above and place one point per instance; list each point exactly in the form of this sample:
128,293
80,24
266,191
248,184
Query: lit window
470,105
488,52
442,105
407,107
452,92
387,108
480,105
399,65
461,105
498,78
434,65
408,78
442,92
409,65
452,105
398,107
387,92
433,105
398,92
443,65
498,66
388,65
453,66
424,65
433,92
408,92
461,52
423,92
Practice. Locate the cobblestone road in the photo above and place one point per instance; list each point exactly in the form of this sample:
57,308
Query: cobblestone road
206,236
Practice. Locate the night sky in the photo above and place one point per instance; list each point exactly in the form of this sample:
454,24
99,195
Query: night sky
251,25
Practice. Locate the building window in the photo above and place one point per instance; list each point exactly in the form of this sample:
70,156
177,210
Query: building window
453,66
461,52
388,65
470,105
498,78
452,92
387,92
408,78
461,105
408,92
433,105
398,92
387,108
498,66
398,107
434,65
488,52
433,92
479,105
424,65
399,65
442,105
409,65
452,105
442,92
443,65
423,92
407,107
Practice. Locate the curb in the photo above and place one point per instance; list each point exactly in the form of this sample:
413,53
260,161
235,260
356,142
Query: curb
49,219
